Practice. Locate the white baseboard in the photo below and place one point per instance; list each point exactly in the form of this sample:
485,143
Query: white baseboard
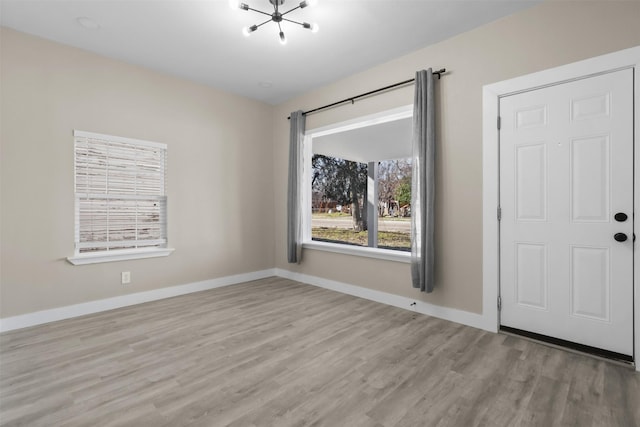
459,316
70,311
67,312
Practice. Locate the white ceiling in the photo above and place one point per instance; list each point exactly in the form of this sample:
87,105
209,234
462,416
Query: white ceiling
381,141
202,40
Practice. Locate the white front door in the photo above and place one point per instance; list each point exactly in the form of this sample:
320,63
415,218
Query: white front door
566,185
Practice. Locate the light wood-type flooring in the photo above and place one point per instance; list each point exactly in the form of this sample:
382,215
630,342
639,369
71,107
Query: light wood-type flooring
278,353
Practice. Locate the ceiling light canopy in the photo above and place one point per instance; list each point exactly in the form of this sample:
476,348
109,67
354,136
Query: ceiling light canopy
276,16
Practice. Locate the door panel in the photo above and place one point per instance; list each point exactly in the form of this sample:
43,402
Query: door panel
531,182
531,275
566,168
590,179
590,285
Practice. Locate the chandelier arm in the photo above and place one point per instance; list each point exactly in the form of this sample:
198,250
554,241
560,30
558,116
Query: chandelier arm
259,11
291,10
265,22
294,22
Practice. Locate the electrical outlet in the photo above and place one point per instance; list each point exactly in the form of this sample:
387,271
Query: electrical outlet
126,277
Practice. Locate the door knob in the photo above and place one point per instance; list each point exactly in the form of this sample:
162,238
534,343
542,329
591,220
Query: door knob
620,217
620,237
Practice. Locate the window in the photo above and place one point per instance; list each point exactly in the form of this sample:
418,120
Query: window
359,186
120,199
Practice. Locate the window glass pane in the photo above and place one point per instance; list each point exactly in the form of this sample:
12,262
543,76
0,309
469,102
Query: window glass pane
394,204
339,208
361,183
339,189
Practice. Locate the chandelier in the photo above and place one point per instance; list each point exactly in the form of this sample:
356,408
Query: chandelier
277,16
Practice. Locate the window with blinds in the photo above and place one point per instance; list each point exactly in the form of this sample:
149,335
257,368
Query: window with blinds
120,196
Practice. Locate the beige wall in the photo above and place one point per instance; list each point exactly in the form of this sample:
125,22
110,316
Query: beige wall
49,89
551,34
219,185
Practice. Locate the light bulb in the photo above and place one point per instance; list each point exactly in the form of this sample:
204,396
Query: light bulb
313,27
283,39
236,4
248,30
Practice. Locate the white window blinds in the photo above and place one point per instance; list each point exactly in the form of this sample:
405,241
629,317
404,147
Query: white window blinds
120,193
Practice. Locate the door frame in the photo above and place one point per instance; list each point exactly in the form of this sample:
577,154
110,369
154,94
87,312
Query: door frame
628,58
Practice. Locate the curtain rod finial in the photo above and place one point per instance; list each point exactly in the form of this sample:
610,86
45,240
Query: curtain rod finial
440,72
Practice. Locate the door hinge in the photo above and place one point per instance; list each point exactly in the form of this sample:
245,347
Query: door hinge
499,213
499,123
499,303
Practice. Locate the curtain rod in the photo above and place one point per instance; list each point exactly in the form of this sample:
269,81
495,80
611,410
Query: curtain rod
362,95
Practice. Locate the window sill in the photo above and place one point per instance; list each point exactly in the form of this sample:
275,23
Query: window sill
119,255
385,254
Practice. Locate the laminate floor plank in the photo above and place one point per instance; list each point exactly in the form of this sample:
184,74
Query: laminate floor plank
278,353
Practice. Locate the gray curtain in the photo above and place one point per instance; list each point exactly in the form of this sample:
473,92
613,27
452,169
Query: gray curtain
294,208
422,183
